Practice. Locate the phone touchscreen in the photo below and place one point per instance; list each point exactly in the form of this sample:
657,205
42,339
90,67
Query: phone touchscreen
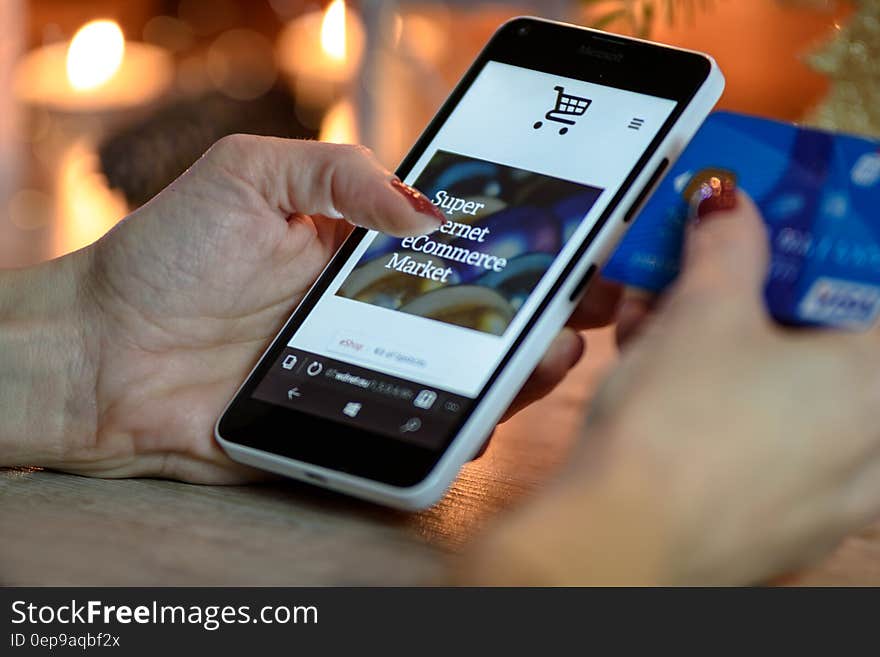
409,331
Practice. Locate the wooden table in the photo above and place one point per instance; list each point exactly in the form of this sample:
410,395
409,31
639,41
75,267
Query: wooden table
59,529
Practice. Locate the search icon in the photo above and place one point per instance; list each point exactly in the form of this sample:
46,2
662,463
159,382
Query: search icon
411,425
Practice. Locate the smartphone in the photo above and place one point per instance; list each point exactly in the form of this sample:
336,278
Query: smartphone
399,362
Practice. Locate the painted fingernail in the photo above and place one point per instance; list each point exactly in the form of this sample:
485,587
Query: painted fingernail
711,191
420,203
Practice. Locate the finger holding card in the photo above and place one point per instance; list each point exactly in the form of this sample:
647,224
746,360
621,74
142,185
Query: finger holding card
817,193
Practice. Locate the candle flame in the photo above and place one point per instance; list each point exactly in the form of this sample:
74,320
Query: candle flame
340,124
86,207
333,37
95,54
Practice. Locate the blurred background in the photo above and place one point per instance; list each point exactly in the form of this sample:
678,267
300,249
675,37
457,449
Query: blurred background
105,102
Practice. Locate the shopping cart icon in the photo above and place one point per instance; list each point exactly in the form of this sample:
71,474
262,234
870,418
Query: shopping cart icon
566,106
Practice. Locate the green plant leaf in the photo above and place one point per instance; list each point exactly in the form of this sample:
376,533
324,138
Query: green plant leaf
609,18
641,15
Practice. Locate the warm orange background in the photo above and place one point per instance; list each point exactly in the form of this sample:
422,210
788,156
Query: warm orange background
761,46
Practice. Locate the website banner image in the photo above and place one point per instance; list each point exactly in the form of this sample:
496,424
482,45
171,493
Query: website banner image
504,228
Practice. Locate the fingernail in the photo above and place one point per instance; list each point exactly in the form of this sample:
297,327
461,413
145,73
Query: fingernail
711,192
333,213
420,203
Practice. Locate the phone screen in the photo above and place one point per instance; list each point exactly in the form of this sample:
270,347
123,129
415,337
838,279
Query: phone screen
409,331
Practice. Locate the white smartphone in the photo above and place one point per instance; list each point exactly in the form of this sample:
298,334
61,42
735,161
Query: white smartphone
399,362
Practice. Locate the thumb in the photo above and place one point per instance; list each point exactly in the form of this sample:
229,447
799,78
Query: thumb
726,249
333,180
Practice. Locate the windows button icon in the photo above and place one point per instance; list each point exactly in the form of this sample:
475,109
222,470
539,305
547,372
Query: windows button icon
352,409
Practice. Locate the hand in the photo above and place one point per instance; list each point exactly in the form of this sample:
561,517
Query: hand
176,304
724,450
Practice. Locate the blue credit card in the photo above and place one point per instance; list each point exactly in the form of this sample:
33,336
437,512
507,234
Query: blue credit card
819,194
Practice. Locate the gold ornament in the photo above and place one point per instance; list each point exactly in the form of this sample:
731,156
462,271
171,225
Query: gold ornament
852,61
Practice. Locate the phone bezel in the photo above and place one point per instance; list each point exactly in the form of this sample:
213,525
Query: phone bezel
553,48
